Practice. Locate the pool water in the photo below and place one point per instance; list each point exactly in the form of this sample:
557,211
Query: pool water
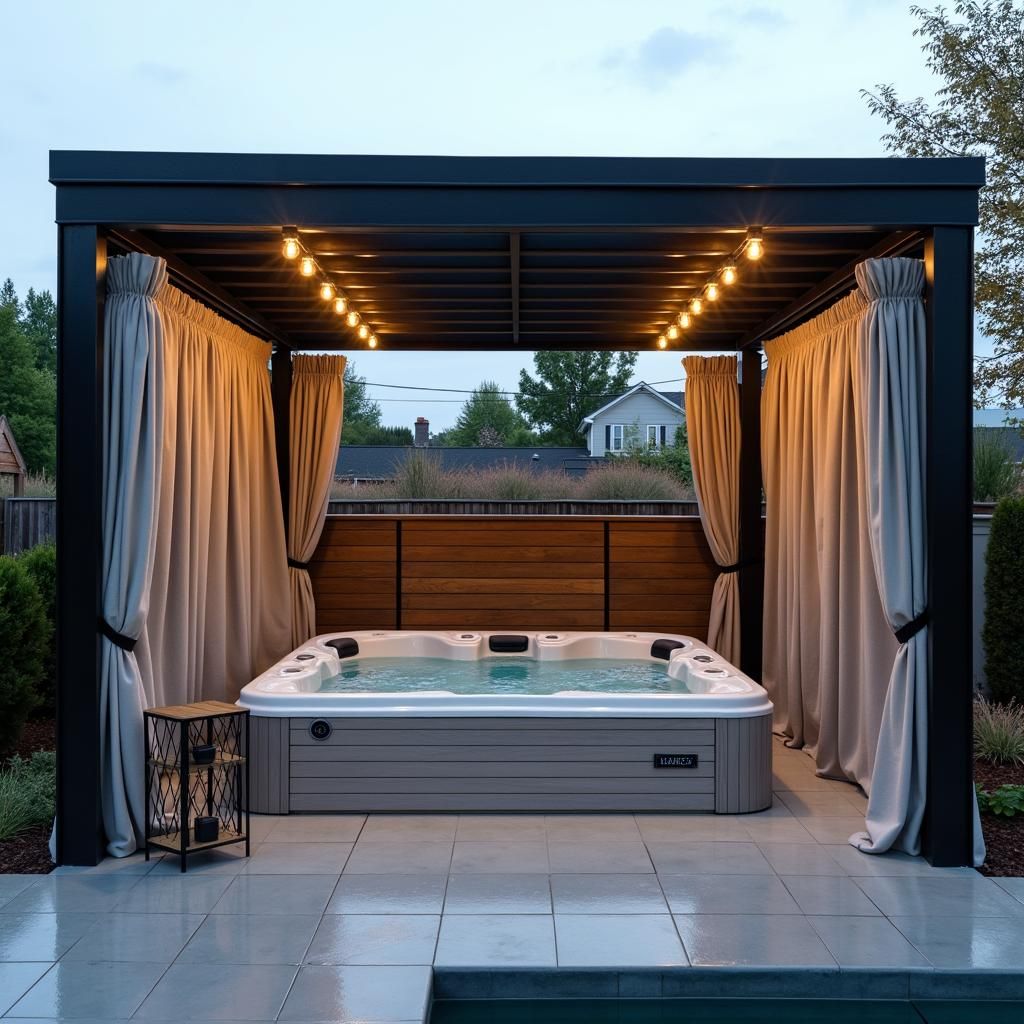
500,675
723,1011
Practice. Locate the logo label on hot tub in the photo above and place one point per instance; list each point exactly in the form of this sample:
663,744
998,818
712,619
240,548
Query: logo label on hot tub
675,760
320,730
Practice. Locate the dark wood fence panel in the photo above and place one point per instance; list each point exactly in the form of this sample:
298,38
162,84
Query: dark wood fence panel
355,575
511,573
27,522
502,574
660,577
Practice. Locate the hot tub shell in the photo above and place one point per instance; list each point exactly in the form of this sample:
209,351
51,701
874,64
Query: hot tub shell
328,751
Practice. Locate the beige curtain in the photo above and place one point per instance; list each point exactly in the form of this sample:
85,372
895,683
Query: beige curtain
828,648
220,609
713,429
317,405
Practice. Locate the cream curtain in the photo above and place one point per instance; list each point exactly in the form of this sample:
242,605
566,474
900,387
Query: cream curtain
317,405
133,443
889,388
713,430
828,648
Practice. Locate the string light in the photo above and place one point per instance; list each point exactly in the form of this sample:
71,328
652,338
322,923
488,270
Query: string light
752,247
293,249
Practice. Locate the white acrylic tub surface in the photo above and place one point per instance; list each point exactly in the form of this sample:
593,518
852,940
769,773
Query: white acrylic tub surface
717,689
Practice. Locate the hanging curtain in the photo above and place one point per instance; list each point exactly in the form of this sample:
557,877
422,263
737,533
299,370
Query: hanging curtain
317,404
713,428
133,444
827,644
889,385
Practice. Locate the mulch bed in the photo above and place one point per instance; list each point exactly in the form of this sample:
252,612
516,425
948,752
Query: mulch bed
1004,837
28,852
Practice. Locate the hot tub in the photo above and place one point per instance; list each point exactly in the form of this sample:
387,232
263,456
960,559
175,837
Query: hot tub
481,721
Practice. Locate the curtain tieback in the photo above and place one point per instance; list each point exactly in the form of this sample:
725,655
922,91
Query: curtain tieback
736,566
912,628
294,563
126,643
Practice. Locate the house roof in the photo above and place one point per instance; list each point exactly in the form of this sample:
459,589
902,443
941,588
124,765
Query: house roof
11,460
672,399
370,462
1011,437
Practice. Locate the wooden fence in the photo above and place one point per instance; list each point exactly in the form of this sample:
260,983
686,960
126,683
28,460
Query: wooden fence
27,522
448,572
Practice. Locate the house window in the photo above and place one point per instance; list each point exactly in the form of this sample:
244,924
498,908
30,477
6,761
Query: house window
618,437
656,435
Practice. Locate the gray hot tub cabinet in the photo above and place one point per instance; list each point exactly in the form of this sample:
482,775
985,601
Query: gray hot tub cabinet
509,764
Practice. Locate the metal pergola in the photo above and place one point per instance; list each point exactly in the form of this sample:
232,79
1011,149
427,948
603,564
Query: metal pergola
475,254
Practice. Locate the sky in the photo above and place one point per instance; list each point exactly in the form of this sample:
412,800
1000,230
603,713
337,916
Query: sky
480,77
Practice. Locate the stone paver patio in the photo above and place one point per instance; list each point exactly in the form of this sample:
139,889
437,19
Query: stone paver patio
356,918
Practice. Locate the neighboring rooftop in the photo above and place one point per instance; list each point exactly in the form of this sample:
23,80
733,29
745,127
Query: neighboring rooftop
1011,437
379,462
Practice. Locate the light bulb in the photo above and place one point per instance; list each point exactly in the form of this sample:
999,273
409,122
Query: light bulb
340,305
729,275
684,320
352,319
755,248
307,268
372,341
364,331
662,343
290,248
711,292
672,332
327,291
696,306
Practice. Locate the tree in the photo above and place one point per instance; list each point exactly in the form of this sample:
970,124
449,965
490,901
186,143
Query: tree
39,322
673,458
487,420
28,394
568,386
364,433
978,53
361,417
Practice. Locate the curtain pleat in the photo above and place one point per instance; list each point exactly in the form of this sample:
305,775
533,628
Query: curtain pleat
317,405
133,443
713,429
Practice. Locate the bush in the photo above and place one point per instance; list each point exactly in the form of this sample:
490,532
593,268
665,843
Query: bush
629,480
1004,801
41,564
27,793
1003,633
517,483
999,732
995,474
24,641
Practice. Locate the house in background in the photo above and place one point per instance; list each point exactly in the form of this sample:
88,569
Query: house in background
640,417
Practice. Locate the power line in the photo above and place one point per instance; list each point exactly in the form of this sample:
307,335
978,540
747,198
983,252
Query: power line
506,394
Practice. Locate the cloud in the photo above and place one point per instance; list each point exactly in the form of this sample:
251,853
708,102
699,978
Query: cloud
665,54
162,74
757,17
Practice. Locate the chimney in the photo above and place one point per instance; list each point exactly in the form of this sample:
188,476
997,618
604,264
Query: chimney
421,432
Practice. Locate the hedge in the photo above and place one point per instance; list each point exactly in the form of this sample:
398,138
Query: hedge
1003,634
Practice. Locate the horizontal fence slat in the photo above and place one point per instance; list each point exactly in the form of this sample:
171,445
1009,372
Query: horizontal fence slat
494,585
526,602
454,552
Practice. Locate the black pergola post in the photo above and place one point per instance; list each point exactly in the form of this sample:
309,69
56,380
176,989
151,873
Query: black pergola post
949,302
751,531
82,257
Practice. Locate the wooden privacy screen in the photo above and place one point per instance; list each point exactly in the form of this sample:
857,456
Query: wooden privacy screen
446,572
